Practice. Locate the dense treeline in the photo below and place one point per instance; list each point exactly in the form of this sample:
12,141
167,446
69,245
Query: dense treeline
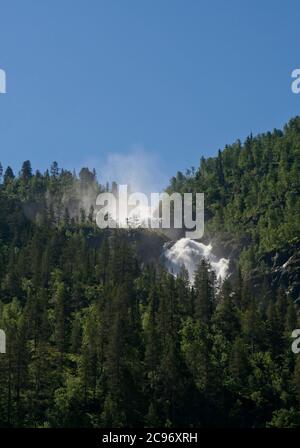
252,191
96,337
95,341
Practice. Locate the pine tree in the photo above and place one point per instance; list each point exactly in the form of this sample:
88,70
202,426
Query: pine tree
204,300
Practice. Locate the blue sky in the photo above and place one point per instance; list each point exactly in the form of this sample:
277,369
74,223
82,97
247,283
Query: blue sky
179,78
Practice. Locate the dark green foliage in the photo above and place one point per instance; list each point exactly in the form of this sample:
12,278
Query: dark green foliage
252,191
97,338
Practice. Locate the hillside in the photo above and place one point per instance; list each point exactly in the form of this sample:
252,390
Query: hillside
252,198
99,334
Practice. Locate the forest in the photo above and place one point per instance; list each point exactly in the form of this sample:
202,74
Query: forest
97,336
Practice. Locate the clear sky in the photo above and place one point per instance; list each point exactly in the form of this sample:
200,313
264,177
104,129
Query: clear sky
180,78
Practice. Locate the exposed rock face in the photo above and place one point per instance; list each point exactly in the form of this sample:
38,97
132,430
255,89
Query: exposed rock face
149,245
282,268
279,268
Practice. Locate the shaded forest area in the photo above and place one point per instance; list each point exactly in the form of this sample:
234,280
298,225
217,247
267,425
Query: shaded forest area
96,337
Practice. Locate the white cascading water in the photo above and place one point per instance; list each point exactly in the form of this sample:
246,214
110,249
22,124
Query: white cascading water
188,253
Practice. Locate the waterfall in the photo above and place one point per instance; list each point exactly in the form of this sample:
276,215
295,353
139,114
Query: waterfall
188,253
